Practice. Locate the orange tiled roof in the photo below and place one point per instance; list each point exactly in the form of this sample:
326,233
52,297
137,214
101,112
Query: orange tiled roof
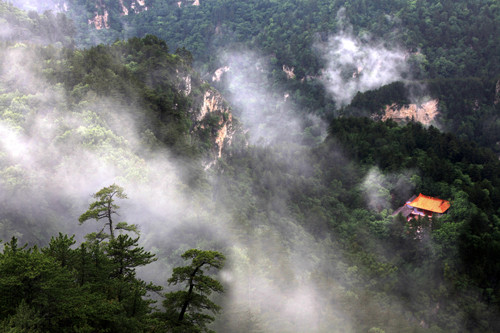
434,205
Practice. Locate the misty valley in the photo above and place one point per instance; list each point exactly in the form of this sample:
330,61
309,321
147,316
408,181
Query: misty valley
249,166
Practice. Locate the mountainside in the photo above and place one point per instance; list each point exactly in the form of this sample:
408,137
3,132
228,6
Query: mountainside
209,24
72,102
438,39
46,28
257,196
321,53
466,107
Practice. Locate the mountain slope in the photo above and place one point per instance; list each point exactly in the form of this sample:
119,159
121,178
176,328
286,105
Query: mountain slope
306,223
119,104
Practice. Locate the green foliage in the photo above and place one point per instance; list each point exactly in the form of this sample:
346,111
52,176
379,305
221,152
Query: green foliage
86,96
36,283
126,256
104,208
94,288
62,289
45,28
443,160
467,106
382,264
185,308
378,267
60,249
444,39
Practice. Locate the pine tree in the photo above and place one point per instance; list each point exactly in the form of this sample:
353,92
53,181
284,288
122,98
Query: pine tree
186,310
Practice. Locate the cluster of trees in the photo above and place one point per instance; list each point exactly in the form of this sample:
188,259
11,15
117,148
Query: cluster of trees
449,168
445,39
376,268
86,95
140,75
93,287
46,28
454,38
468,107
445,279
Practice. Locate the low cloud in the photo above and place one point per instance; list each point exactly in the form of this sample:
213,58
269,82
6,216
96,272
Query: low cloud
262,107
357,64
38,5
382,191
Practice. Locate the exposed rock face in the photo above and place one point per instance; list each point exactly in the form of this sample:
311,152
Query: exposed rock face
101,14
214,118
138,6
100,21
184,85
357,72
188,3
222,133
211,117
210,104
124,9
218,73
424,113
289,71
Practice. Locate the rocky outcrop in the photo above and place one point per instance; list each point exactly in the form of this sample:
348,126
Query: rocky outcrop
289,72
424,113
124,8
184,83
212,123
213,120
219,72
138,6
188,3
102,12
100,20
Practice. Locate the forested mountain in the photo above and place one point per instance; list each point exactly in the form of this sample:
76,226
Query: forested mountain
440,39
310,47
47,28
452,38
137,195
467,107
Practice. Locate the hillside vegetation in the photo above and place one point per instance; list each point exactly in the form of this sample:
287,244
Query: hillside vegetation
137,219
441,39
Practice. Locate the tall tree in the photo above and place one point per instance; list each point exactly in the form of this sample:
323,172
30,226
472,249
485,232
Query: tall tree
111,265
126,255
104,208
186,309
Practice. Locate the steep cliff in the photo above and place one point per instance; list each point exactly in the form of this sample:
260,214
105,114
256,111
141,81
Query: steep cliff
424,113
103,11
101,16
213,125
213,122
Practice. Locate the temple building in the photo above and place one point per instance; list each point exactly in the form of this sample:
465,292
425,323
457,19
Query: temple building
423,205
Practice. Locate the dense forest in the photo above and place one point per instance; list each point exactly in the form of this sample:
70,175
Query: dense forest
455,39
267,206
441,39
